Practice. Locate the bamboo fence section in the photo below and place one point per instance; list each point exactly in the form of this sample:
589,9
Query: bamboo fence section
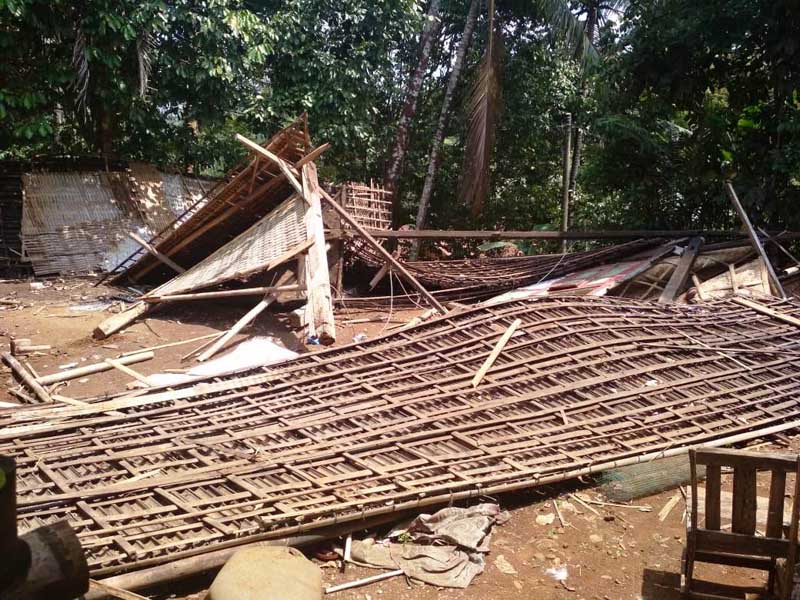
395,424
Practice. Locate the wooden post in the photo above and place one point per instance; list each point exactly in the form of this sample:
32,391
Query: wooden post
680,275
567,158
754,237
394,264
319,307
121,320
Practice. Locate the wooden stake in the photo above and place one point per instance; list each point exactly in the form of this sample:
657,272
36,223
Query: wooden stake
395,265
26,378
754,237
501,343
163,258
237,327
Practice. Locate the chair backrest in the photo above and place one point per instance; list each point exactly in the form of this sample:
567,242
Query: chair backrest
744,506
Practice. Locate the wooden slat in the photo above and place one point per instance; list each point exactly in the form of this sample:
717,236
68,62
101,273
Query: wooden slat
712,499
679,277
743,515
777,489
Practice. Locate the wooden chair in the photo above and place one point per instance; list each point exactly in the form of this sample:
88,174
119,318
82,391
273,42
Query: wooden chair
742,547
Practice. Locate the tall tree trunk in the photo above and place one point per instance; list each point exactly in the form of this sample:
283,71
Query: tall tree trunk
592,17
400,146
444,118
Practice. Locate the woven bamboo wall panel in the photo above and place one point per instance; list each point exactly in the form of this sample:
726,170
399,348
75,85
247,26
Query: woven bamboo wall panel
280,231
395,423
244,196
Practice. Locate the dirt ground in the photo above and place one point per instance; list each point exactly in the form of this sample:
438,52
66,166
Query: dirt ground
609,552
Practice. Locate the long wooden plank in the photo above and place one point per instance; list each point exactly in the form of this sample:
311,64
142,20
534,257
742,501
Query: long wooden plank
754,239
235,293
447,234
743,514
679,277
766,310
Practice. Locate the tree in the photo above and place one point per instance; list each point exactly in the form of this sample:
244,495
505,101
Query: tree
399,148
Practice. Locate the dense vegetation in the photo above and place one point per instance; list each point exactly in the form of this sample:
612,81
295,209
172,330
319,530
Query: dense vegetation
675,96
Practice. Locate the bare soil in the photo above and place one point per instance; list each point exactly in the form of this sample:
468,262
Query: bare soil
618,553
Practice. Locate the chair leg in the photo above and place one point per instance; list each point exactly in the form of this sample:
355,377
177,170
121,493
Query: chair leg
771,580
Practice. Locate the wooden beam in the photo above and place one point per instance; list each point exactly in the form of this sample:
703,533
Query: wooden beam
679,277
285,168
237,327
91,369
501,343
439,234
25,377
395,265
754,239
319,306
163,258
119,366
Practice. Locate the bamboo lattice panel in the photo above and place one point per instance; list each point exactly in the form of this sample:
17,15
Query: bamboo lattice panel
394,423
481,278
370,205
242,198
281,230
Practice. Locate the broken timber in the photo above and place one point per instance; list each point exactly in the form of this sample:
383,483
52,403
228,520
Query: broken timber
26,377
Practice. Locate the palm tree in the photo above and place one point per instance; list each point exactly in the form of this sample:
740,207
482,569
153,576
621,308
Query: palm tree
484,100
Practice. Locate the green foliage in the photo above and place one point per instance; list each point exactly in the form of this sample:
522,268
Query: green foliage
687,94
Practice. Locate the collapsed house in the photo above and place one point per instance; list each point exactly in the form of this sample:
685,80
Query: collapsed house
538,369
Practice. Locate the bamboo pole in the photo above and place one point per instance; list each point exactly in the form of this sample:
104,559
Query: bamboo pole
567,158
254,291
94,368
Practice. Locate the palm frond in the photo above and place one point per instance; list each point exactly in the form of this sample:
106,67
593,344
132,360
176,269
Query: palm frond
145,48
561,21
483,107
80,63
